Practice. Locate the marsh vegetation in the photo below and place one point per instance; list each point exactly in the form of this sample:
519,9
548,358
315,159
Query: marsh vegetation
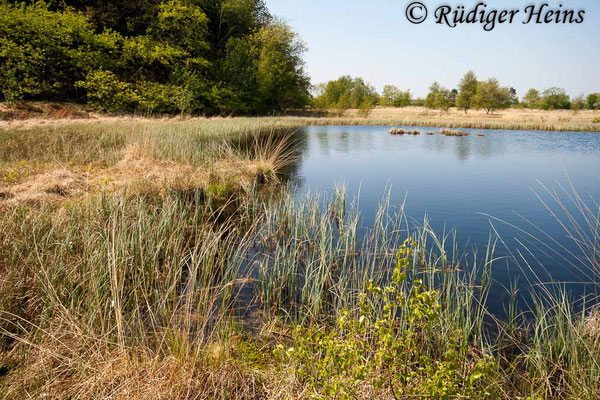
160,266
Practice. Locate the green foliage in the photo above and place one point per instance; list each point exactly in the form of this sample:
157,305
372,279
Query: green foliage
467,88
439,97
393,344
43,53
593,101
345,93
532,98
394,97
209,56
555,99
491,96
578,103
281,78
107,92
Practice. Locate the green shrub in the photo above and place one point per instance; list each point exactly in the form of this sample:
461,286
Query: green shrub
106,91
156,97
43,53
402,350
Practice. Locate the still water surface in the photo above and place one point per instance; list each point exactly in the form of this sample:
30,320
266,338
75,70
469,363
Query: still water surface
459,182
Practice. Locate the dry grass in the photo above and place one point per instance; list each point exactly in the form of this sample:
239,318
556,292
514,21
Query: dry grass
512,119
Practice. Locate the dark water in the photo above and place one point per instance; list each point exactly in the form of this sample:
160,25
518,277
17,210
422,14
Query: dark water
459,182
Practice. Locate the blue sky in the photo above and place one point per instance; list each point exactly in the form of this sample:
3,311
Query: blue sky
374,40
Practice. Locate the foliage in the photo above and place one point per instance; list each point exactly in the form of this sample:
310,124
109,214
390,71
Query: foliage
398,349
532,98
491,96
555,99
210,56
439,97
593,101
394,97
281,78
578,103
44,53
345,93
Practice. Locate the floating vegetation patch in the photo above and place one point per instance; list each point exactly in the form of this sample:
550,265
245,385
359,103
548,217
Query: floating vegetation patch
448,132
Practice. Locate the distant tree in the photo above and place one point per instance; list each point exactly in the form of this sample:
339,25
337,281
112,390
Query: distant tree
514,99
418,102
555,99
490,96
532,98
438,97
578,103
467,88
394,97
345,93
453,96
593,101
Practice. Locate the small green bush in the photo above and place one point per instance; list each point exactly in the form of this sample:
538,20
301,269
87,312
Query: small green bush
402,350
106,91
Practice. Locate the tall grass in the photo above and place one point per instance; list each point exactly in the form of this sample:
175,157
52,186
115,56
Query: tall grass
102,296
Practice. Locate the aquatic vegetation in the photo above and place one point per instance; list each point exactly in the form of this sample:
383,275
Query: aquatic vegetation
396,131
207,289
448,132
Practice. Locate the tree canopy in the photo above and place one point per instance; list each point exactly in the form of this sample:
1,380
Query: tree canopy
467,89
490,96
345,93
207,56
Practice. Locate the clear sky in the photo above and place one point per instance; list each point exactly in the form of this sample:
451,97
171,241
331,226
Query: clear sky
374,40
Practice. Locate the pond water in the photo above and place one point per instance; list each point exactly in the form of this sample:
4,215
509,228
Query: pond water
465,183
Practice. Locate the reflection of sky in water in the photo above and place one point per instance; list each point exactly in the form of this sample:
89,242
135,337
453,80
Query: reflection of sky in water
454,180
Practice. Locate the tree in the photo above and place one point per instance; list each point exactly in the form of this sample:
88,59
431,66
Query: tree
514,99
490,96
282,81
555,99
578,103
438,97
532,98
345,93
467,88
593,101
394,97
209,56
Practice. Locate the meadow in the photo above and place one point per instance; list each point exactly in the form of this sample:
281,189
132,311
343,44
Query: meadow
160,258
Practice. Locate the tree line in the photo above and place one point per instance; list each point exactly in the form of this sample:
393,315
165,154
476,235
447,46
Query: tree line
471,94
205,56
200,56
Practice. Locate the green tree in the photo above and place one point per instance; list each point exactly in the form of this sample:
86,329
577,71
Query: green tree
578,103
491,96
555,99
467,88
44,53
282,81
394,97
345,93
593,101
514,98
438,97
532,98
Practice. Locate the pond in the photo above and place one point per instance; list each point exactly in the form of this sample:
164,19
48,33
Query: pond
489,181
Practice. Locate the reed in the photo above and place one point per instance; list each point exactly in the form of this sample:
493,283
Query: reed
200,292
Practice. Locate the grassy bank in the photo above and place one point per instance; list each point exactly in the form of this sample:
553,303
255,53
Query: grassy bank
178,276
511,119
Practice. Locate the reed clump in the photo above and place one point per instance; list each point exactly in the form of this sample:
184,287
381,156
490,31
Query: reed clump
448,132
